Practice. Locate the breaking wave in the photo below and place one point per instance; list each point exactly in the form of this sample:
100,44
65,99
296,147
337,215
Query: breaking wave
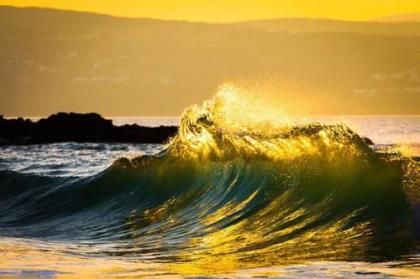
232,188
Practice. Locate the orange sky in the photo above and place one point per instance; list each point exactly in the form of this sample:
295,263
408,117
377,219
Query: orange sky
233,10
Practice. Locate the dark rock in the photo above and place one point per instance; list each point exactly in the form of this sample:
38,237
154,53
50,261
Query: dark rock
91,127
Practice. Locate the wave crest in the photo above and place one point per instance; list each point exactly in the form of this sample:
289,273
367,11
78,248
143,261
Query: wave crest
226,127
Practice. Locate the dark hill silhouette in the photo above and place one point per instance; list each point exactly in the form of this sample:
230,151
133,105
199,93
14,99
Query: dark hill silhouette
76,127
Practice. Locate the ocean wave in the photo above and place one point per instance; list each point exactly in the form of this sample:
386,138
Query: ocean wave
255,191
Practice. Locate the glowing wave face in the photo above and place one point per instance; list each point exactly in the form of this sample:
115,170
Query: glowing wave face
299,191
238,187
237,123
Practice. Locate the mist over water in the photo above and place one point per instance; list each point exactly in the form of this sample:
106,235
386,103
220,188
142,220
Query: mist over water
239,191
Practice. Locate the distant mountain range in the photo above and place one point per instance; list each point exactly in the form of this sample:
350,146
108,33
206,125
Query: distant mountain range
52,60
400,18
304,25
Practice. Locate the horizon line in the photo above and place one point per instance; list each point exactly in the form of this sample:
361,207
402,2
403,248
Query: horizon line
372,20
179,116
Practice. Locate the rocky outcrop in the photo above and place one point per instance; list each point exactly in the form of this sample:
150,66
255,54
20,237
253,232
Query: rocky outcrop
76,127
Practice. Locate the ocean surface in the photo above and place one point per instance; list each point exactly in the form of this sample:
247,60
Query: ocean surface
223,199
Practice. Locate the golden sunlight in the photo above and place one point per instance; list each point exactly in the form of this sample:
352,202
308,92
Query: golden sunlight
232,10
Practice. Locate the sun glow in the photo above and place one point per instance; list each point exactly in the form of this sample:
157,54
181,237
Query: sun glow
234,10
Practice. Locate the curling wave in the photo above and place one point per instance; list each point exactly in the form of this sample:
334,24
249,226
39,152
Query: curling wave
229,189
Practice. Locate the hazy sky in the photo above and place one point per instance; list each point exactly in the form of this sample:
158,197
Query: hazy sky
233,10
